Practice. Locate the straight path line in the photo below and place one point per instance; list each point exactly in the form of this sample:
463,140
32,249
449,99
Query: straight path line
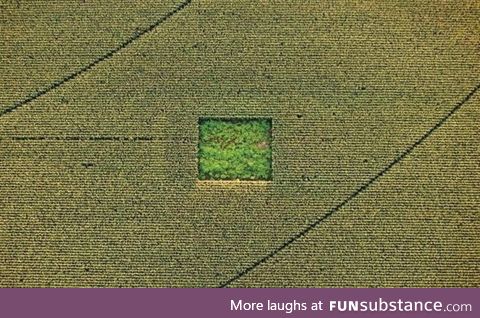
354,194
78,138
96,61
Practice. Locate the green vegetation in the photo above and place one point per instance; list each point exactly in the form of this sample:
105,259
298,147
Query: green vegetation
232,149
350,85
69,35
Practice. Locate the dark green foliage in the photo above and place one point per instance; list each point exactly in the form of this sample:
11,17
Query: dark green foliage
231,149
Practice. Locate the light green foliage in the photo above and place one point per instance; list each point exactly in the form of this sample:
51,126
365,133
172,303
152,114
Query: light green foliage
232,149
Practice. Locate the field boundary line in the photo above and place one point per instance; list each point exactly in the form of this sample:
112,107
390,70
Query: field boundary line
20,103
354,194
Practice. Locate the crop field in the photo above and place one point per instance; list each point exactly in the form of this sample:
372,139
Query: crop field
373,148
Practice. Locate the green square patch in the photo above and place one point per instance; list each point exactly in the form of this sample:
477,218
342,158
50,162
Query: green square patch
235,149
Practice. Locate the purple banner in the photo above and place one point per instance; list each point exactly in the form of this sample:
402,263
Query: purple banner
223,303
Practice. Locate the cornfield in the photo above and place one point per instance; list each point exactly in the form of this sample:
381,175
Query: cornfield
374,108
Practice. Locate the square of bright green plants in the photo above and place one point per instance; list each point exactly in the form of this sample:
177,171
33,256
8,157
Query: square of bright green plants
235,149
